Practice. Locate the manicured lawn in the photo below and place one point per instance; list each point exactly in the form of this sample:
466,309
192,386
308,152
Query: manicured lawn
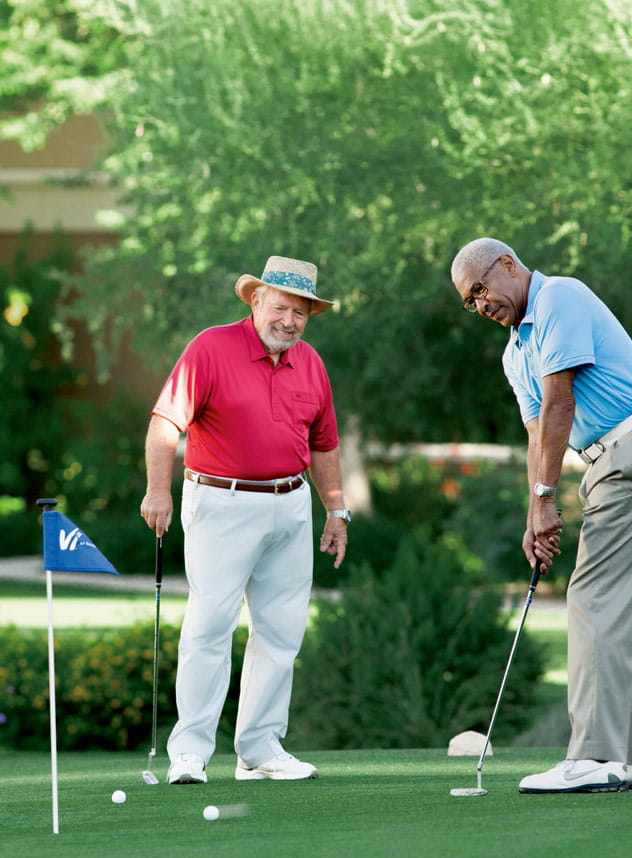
25,604
366,803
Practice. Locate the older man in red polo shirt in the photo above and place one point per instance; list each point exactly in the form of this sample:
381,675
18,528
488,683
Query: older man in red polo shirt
257,407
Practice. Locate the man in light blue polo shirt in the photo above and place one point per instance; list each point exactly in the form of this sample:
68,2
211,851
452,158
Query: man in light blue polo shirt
569,362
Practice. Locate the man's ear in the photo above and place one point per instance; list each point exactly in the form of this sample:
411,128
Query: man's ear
509,264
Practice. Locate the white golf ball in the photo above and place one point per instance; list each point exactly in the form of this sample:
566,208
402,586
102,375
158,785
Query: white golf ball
210,812
118,796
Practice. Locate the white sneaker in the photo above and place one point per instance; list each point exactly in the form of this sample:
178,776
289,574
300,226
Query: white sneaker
187,769
283,767
579,776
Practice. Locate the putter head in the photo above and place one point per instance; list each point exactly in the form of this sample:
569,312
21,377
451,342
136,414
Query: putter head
468,791
149,777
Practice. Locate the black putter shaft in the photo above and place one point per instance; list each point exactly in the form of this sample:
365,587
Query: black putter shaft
154,712
534,583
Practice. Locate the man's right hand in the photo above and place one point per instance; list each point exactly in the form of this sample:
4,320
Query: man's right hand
541,541
160,451
157,510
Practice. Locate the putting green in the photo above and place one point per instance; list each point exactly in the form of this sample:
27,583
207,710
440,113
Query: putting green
366,803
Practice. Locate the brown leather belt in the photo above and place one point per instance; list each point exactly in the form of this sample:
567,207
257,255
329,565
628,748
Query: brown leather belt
278,488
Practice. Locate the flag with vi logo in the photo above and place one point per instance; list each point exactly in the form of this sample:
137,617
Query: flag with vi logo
68,549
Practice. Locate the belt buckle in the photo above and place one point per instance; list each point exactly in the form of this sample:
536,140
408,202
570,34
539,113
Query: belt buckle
588,457
278,484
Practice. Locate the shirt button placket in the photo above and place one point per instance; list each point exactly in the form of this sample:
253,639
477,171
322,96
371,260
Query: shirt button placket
274,396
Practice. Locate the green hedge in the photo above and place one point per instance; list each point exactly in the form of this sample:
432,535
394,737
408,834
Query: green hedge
409,658
406,658
104,682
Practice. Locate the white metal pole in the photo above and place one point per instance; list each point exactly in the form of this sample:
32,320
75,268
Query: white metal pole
52,702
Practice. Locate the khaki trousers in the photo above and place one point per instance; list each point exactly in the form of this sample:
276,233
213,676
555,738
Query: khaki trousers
241,544
599,600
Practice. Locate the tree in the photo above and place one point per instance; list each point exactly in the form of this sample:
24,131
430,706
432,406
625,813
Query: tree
373,137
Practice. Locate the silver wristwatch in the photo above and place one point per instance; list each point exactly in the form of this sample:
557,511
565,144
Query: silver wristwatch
540,490
344,514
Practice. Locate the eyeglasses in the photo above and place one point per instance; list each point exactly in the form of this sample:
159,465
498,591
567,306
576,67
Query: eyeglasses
478,290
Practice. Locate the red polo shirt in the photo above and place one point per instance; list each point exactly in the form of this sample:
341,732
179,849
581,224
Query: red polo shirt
244,416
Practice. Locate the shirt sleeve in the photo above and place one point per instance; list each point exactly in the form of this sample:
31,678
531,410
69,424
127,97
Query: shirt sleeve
563,327
188,386
527,403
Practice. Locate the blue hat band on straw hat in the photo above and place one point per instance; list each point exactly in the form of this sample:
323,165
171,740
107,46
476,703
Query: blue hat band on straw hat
287,278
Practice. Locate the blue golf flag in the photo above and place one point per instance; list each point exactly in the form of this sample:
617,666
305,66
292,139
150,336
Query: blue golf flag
68,549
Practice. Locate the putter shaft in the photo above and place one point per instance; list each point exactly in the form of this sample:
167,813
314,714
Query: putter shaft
154,707
527,603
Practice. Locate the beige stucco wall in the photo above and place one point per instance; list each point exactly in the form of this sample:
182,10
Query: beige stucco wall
49,189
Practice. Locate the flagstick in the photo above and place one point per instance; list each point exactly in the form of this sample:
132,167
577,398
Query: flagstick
57,545
52,702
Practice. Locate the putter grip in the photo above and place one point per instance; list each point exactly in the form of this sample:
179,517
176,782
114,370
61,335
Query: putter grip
536,574
159,559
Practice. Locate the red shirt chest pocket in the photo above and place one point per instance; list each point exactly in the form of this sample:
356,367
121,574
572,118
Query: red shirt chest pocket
305,407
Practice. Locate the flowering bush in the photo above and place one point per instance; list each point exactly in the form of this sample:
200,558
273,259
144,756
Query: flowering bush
104,681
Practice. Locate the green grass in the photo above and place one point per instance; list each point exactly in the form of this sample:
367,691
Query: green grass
366,803
25,604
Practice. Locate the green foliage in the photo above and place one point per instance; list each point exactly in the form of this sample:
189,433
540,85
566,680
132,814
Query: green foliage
372,136
408,659
103,689
38,389
475,510
58,57
57,443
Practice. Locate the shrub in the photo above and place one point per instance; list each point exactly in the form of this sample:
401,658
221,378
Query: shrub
475,509
103,686
408,659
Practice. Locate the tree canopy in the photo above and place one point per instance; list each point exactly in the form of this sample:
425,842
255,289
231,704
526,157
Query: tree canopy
373,137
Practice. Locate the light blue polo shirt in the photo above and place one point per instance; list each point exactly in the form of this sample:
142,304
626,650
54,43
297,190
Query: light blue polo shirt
566,325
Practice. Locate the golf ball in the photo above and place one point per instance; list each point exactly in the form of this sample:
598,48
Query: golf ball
118,796
210,812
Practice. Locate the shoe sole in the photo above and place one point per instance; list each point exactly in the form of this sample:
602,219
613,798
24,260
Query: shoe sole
621,786
187,779
257,775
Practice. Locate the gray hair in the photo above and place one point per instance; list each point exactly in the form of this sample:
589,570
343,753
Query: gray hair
480,253
261,290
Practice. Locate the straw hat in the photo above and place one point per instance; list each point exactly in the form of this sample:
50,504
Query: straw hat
287,275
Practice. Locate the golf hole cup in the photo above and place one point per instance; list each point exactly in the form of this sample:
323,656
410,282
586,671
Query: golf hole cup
118,796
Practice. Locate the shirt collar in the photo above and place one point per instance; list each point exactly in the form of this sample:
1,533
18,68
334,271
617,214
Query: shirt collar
524,328
255,346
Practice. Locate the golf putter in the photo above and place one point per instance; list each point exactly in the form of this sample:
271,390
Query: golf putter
148,776
478,789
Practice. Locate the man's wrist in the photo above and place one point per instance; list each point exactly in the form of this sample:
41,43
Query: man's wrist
541,490
344,514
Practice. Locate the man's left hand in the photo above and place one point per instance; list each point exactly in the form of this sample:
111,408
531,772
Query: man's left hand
334,539
547,528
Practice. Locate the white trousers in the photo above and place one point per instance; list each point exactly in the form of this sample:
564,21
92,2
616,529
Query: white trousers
256,546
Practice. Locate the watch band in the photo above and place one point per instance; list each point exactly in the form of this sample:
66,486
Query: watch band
541,490
344,514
